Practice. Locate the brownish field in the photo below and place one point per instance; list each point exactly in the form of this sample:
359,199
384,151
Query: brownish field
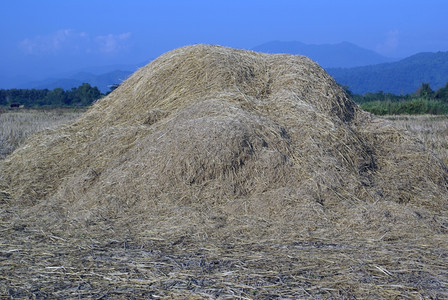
432,130
18,124
36,263
222,173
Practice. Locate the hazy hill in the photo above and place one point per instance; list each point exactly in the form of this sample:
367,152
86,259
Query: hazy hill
401,77
7,82
102,81
342,55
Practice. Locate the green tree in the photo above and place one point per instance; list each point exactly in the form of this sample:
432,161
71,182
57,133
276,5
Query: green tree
3,98
55,97
425,91
442,93
85,94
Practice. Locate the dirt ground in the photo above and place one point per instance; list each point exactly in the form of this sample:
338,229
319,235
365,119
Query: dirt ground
38,264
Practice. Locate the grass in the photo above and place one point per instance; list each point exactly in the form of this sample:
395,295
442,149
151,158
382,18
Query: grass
160,269
432,130
38,264
417,106
18,124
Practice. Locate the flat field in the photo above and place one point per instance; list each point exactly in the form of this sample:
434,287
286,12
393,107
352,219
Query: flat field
35,263
432,130
16,125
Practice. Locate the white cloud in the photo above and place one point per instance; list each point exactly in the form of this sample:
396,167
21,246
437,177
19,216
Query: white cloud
47,43
71,41
112,42
390,44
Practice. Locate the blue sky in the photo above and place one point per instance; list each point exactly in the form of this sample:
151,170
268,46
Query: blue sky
44,37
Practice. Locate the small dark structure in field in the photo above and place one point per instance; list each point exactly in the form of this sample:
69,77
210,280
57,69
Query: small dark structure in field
14,105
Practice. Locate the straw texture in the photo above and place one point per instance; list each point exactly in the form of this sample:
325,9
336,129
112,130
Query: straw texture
218,144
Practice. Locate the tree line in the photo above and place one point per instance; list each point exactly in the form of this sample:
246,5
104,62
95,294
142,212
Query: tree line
84,95
423,101
424,91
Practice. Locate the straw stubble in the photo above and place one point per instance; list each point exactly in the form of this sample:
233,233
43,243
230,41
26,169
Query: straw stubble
221,144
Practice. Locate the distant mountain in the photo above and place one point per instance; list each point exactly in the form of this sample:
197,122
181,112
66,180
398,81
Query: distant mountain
7,82
102,81
99,70
401,77
342,55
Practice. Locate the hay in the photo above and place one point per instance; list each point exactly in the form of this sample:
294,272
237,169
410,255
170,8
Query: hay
209,124
214,143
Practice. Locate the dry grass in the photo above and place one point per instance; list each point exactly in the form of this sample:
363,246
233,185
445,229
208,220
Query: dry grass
40,264
215,172
432,130
17,125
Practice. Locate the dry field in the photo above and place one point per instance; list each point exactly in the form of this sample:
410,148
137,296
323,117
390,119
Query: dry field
432,130
39,264
219,173
16,125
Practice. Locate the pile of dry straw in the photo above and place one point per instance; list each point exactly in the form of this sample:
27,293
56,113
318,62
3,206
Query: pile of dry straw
212,141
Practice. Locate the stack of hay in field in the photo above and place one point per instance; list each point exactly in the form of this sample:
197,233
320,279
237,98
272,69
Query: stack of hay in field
209,139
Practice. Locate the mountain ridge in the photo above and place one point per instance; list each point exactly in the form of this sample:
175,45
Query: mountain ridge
401,77
344,54
102,81
398,77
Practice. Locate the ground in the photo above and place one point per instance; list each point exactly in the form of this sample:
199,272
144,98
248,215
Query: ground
111,263
39,264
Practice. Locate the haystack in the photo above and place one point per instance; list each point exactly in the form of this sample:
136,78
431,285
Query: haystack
209,140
